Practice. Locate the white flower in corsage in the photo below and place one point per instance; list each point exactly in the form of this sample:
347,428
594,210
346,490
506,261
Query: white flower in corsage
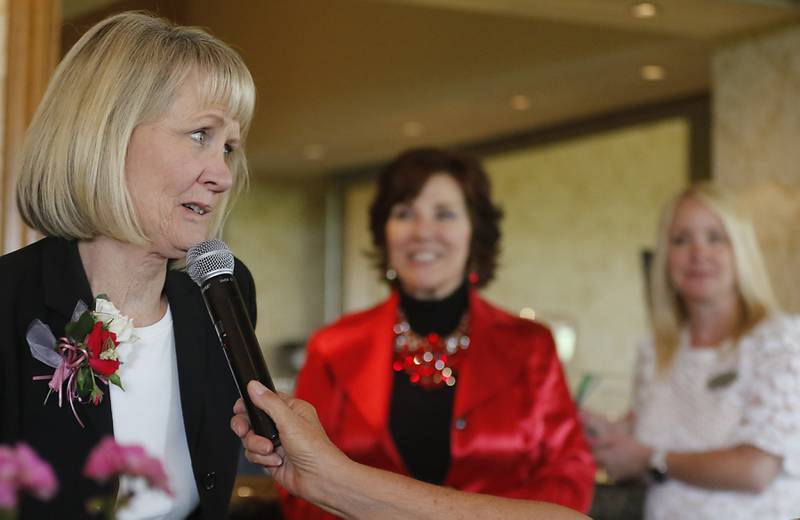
114,321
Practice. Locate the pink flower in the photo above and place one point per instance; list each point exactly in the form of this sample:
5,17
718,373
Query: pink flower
104,461
109,459
8,478
8,497
35,474
21,469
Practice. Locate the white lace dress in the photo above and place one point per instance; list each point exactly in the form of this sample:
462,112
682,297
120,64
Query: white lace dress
723,397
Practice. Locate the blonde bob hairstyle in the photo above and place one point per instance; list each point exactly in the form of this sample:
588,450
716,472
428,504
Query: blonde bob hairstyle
756,298
124,71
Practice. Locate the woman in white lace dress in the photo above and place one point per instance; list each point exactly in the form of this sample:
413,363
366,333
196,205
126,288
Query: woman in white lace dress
716,419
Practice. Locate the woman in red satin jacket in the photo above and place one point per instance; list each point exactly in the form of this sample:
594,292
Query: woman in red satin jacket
436,382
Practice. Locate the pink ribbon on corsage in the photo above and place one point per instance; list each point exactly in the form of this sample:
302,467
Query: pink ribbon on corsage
65,357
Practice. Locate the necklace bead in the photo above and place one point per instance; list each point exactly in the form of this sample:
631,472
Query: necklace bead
430,361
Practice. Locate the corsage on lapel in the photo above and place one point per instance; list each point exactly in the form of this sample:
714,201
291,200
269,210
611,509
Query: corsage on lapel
87,352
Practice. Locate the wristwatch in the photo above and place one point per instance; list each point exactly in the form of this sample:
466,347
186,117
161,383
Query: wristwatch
658,465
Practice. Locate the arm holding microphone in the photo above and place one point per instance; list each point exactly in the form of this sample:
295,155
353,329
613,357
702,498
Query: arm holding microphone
309,465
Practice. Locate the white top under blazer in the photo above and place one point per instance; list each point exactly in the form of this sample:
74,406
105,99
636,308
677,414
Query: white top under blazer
148,412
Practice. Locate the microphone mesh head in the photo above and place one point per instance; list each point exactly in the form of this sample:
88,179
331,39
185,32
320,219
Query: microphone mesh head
208,258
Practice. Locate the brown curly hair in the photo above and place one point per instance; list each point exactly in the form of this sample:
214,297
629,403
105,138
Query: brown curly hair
403,179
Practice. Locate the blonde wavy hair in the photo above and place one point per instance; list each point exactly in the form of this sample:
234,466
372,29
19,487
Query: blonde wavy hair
756,297
124,71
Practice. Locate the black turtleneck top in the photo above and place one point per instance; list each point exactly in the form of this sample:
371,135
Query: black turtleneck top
419,419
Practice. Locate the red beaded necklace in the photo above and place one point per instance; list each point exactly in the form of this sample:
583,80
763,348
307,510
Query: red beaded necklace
430,361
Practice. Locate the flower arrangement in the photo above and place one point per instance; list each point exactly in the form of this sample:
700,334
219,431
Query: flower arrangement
109,459
21,469
85,355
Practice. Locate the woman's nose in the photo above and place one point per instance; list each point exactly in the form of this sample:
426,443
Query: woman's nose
698,249
422,226
217,175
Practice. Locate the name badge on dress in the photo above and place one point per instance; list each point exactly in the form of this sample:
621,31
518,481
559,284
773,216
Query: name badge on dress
722,380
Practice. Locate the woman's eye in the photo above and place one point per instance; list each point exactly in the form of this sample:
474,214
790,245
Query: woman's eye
444,214
401,212
200,136
716,237
228,149
678,240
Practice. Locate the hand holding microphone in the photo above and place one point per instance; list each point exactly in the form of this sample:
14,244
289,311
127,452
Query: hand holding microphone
210,265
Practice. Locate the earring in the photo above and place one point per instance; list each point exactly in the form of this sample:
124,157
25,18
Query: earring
391,274
473,277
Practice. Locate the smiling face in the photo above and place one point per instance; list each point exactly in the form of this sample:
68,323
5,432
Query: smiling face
176,170
428,239
700,258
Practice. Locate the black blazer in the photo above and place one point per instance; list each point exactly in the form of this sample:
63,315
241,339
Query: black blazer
45,280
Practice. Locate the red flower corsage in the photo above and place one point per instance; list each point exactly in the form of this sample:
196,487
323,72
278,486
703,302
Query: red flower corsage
86,354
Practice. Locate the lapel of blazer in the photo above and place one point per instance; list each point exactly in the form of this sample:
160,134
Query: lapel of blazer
64,283
190,322
363,363
495,357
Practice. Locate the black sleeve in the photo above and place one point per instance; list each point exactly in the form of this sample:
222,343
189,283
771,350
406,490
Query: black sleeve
12,276
8,376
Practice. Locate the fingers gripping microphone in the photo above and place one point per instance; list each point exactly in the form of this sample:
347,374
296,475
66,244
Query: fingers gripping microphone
210,265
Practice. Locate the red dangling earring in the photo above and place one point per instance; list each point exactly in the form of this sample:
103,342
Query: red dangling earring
473,278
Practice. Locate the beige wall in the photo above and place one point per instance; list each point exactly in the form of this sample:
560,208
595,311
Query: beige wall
361,285
277,230
578,214
756,128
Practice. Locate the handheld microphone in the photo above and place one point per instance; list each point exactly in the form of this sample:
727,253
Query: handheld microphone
210,265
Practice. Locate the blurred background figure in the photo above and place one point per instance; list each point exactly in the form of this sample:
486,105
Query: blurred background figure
716,418
436,382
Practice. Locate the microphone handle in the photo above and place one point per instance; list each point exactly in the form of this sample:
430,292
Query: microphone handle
239,342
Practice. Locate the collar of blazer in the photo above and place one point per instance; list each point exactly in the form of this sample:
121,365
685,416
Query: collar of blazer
362,357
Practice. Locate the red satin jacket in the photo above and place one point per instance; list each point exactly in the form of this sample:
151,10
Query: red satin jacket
515,430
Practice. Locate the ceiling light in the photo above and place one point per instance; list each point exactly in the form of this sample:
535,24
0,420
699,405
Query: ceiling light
314,152
412,129
520,102
653,72
644,10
